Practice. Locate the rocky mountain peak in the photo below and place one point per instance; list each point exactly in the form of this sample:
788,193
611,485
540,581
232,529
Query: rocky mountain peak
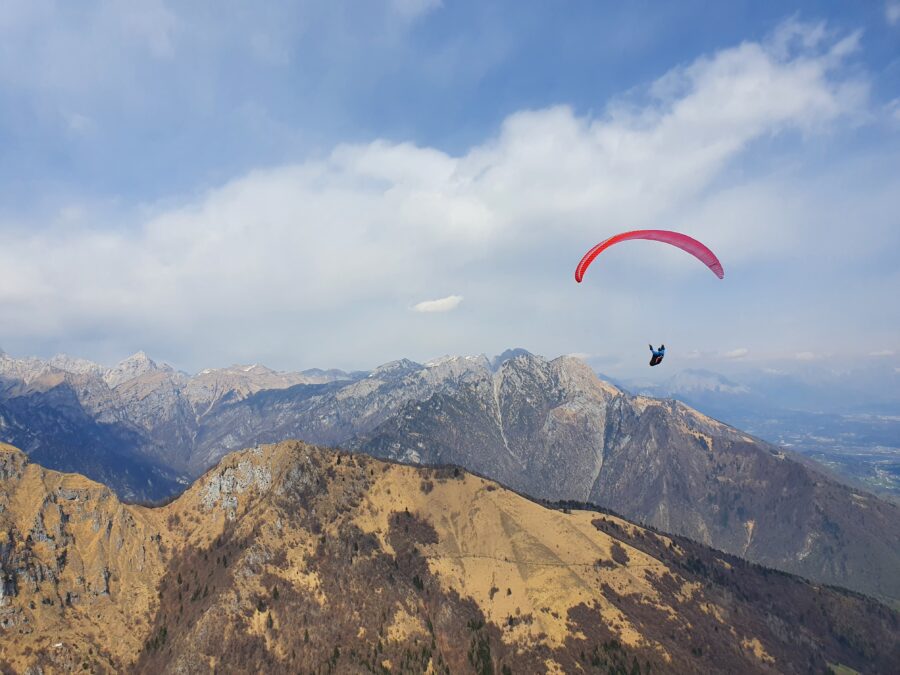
454,367
26,370
508,354
576,374
139,357
76,365
134,366
480,360
395,368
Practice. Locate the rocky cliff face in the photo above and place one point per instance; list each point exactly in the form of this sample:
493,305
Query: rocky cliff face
73,568
292,558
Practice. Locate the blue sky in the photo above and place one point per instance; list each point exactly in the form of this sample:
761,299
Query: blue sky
221,182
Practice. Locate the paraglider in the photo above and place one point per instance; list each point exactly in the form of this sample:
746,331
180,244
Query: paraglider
682,241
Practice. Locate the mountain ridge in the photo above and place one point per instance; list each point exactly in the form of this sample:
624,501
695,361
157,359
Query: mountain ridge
288,557
551,429
657,462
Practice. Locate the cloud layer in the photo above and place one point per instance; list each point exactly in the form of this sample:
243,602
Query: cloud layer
303,257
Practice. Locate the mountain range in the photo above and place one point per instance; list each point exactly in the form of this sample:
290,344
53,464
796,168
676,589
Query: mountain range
128,426
550,429
292,558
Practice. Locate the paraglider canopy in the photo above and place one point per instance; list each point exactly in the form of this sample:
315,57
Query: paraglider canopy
682,241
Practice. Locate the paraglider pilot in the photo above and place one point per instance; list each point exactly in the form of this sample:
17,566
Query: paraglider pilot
658,355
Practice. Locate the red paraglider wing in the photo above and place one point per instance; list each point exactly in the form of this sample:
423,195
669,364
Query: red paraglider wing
682,241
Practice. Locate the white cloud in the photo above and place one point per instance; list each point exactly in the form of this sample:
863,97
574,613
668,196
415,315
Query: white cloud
738,353
882,352
892,12
447,304
805,356
362,225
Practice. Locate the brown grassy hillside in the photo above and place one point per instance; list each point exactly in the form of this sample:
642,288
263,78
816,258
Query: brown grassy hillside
291,558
